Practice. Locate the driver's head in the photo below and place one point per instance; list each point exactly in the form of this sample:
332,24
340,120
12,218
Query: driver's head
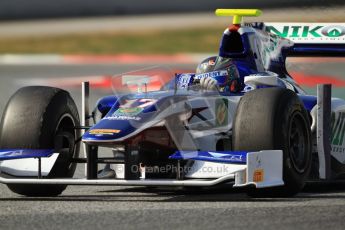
224,70
217,63
206,65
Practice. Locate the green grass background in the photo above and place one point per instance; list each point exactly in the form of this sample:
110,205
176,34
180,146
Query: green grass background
148,42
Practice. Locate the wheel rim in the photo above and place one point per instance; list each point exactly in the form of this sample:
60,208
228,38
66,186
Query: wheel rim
298,143
66,121
64,138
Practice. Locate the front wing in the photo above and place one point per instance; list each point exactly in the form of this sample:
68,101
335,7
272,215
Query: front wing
260,169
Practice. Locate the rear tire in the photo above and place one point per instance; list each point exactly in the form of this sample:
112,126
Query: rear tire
275,119
38,117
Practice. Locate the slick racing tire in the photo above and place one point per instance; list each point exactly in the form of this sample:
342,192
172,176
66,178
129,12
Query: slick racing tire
38,117
275,119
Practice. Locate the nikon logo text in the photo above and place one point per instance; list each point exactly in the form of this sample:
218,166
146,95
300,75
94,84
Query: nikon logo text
312,32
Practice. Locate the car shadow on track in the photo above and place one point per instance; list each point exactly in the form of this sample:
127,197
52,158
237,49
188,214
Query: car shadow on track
213,194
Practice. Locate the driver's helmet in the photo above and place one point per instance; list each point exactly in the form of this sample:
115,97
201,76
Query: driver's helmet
224,70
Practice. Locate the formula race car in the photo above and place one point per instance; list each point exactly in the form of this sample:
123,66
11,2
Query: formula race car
240,119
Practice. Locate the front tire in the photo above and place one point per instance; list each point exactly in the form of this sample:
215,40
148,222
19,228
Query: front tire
38,117
275,119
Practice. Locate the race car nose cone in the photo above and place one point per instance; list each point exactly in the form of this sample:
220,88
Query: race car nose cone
109,131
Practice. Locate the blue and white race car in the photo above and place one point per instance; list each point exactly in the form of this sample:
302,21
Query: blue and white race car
239,119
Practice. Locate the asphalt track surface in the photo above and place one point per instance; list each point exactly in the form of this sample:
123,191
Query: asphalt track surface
319,206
